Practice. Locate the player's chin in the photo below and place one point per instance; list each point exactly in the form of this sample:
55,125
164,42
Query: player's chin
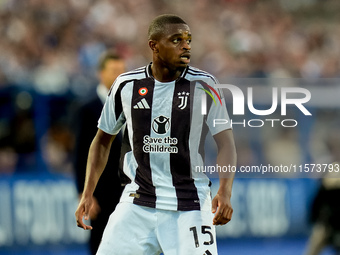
182,65
179,66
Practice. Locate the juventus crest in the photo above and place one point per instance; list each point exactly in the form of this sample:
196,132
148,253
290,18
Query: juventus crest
184,99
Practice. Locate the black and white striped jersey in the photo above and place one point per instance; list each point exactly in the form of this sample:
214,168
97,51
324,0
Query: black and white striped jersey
166,128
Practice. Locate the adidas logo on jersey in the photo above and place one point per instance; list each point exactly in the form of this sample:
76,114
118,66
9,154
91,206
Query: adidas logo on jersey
142,104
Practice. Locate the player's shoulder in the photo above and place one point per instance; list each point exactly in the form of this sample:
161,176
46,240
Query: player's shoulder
138,73
125,78
193,73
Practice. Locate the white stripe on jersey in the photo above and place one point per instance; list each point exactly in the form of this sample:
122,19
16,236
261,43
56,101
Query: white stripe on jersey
161,176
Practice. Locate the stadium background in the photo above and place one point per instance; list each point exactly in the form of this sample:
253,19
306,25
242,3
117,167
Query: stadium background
47,65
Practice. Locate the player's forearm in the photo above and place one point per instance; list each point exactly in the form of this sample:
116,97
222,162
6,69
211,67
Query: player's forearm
226,178
226,185
96,162
226,157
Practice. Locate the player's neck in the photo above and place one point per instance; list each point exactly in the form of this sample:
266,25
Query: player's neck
164,74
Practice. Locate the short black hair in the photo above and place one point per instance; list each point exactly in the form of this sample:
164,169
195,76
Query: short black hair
105,56
157,26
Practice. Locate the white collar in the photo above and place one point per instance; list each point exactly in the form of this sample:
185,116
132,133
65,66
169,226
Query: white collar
102,92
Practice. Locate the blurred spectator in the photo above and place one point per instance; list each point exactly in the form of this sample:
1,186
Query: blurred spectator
51,44
51,47
325,216
57,146
85,128
17,132
325,209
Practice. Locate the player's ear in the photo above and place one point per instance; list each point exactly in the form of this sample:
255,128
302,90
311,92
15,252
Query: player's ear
153,46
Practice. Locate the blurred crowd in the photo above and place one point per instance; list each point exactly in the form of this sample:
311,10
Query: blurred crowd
54,45
51,48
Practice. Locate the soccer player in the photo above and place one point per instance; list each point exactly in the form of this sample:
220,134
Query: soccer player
110,65
167,207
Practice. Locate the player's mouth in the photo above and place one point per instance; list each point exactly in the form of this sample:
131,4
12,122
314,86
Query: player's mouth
185,58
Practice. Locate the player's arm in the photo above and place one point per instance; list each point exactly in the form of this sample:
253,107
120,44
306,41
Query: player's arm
226,156
96,162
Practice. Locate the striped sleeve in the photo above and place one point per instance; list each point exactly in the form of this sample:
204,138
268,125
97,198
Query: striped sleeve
218,118
112,117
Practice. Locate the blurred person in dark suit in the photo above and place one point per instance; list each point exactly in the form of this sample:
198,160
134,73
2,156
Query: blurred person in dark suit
85,128
325,215
325,209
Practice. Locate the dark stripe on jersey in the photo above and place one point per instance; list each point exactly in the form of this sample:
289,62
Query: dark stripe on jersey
187,197
141,126
185,71
118,99
118,104
205,130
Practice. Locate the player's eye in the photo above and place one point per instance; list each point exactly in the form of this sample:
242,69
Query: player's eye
176,40
188,41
